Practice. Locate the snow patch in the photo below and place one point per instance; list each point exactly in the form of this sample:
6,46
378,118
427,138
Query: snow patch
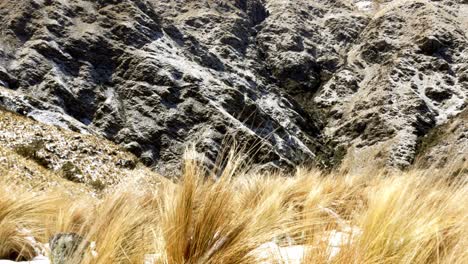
338,239
36,260
152,258
272,253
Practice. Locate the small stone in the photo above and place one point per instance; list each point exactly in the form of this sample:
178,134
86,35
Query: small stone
64,246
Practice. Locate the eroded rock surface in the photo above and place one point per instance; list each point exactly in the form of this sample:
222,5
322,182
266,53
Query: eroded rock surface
300,80
405,75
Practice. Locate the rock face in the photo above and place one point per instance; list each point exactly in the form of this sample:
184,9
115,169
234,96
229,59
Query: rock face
301,81
405,74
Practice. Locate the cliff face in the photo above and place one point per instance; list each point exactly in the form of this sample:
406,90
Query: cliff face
406,74
302,81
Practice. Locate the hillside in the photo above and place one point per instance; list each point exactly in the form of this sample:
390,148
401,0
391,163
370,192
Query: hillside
43,157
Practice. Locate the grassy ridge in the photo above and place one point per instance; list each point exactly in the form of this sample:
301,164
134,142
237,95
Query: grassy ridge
404,217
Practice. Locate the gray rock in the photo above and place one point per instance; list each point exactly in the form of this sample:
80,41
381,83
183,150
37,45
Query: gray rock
64,246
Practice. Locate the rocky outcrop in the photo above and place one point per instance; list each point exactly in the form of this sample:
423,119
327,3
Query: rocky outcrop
300,81
36,155
403,77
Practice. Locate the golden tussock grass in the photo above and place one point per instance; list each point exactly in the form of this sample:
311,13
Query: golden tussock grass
417,216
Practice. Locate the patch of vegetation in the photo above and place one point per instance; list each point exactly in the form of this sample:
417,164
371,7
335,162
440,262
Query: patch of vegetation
32,151
71,172
438,135
338,155
98,184
330,156
430,140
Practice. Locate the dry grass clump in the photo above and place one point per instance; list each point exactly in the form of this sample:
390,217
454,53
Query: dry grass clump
236,217
23,219
202,220
409,218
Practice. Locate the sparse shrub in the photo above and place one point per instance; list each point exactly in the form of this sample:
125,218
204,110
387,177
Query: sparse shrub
98,184
71,172
32,151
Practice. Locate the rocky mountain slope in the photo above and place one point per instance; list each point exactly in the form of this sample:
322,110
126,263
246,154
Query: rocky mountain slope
43,157
302,81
